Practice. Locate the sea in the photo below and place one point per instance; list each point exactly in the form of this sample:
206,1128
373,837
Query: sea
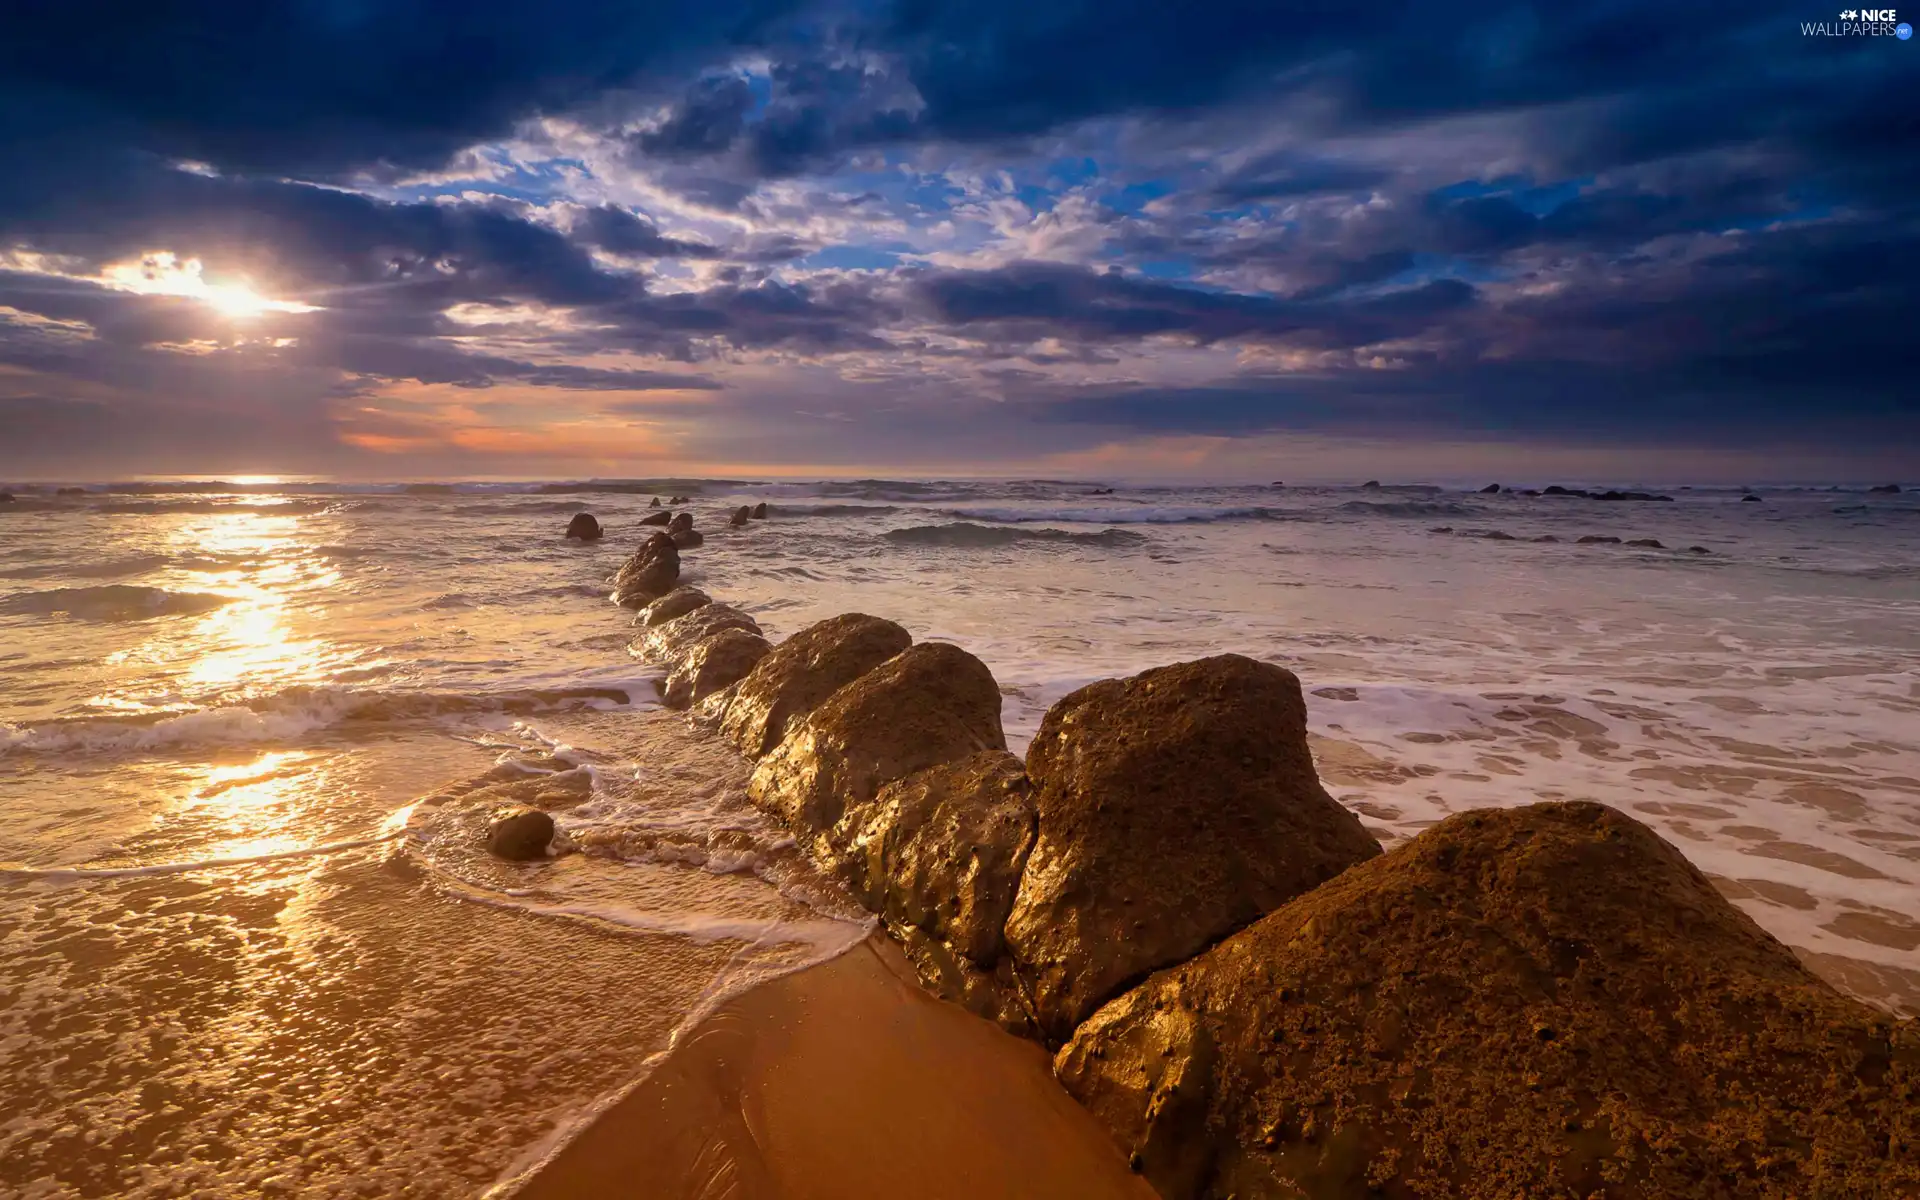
250,732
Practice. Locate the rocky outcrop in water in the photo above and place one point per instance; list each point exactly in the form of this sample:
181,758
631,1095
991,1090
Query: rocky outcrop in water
660,518
667,641
677,603
1546,1001
741,516
1886,489
801,673
930,704
584,527
715,662
520,834
688,539
1174,808
680,522
649,574
759,512
654,503
1492,489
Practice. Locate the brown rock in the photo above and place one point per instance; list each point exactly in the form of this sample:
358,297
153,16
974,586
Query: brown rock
803,671
760,511
659,518
654,503
520,834
680,521
688,539
930,704
649,574
1545,1001
584,527
713,663
1175,807
741,516
667,641
676,603
942,850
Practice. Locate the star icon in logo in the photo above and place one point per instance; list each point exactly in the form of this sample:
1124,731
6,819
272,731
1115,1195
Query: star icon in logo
1848,14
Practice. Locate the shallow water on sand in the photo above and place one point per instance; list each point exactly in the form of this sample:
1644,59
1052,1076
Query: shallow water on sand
242,958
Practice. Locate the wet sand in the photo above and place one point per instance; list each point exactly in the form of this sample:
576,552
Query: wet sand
842,1080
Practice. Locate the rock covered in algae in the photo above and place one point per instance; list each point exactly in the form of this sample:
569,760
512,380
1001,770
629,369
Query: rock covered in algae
1541,1002
1174,808
802,672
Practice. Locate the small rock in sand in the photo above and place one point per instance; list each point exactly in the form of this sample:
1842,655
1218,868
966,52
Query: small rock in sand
521,834
584,527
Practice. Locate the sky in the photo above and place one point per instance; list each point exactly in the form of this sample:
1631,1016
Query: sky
1226,240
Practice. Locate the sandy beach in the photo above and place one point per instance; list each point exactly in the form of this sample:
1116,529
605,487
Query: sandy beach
845,1079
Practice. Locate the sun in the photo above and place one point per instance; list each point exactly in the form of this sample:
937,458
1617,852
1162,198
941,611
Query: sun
162,273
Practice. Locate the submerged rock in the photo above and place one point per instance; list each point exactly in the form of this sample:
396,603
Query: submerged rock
741,516
520,834
1886,489
1698,550
1492,489
1750,498
1545,1001
930,704
688,539
1174,807
1626,496
649,574
1371,485
584,527
1648,543
1599,539
679,522
659,518
677,603
802,672
713,663
760,511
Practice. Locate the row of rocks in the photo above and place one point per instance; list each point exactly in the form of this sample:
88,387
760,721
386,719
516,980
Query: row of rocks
1547,1001
1591,539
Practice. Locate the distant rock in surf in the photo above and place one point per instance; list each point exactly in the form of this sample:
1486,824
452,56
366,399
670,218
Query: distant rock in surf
520,834
688,539
70,491
584,527
1492,489
659,518
1749,498
1277,483
741,516
802,672
1441,529
677,603
1698,550
1886,489
6,497
1371,485
649,574
678,500
679,521
1599,539
1546,537
1648,543
654,503
760,511
930,704
1474,1014
1174,808
1628,496
712,664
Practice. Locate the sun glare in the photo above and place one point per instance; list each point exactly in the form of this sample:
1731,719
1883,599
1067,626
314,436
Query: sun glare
165,274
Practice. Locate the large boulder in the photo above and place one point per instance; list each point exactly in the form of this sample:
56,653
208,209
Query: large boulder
1544,1001
667,641
520,834
802,672
759,512
930,704
741,516
676,603
712,664
943,849
679,522
649,574
688,539
658,518
584,527
1175,807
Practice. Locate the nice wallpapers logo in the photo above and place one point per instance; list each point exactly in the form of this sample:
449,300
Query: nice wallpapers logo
1860,22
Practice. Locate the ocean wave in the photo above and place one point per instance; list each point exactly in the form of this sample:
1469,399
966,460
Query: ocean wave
1133,514
831,510
1407,508
965,535
112,602
289,714
150,508
89,570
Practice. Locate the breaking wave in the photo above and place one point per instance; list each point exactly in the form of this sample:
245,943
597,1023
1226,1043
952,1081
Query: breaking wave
112,602
966,535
